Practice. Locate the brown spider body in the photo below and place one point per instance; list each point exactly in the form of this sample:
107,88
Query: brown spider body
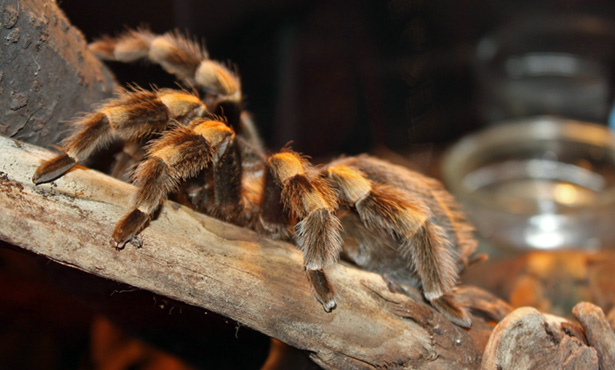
382,217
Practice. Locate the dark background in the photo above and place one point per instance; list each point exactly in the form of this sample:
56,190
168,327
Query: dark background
337,76
331,76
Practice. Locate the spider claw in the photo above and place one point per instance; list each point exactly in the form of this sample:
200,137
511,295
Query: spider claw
128,227
322,290
118,245
53,168
330,305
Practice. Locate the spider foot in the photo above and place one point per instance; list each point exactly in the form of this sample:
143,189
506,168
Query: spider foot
53,168
135,241
128,227
321,288
456,313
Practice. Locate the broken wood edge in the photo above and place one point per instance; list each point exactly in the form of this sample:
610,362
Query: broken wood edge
528,339
598,332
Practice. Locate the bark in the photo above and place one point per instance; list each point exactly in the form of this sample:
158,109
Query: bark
47,75
526,339
598,332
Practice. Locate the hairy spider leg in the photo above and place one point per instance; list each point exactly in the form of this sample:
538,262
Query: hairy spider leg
188,60
312,201
134,114
422,243
180,153
233,189
177,54
234,199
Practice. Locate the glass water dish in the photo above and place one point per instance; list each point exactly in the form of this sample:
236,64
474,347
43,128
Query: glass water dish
540,183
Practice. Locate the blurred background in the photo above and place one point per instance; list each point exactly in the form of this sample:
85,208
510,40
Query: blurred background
347,77
403,79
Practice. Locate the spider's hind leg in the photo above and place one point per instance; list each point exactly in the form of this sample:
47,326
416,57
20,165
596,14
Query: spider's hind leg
135,114
406,220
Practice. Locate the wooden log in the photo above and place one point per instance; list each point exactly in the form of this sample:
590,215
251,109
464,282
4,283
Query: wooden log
227,269
48,75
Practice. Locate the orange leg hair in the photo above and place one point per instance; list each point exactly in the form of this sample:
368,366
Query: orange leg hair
177,54
312,201
133,115
180,153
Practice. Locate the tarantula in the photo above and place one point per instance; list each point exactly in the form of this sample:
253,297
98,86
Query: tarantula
383,217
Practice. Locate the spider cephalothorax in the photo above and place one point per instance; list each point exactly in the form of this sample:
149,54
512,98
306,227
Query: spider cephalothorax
384,218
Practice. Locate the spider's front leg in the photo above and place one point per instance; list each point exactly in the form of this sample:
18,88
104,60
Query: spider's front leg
289,186
188,60
177,54
185,58
133,115
179,154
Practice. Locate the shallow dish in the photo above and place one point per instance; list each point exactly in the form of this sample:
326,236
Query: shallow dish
540,183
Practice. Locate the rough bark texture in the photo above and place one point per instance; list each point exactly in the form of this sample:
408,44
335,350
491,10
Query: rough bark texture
229,270
526,339
598,332
47,75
